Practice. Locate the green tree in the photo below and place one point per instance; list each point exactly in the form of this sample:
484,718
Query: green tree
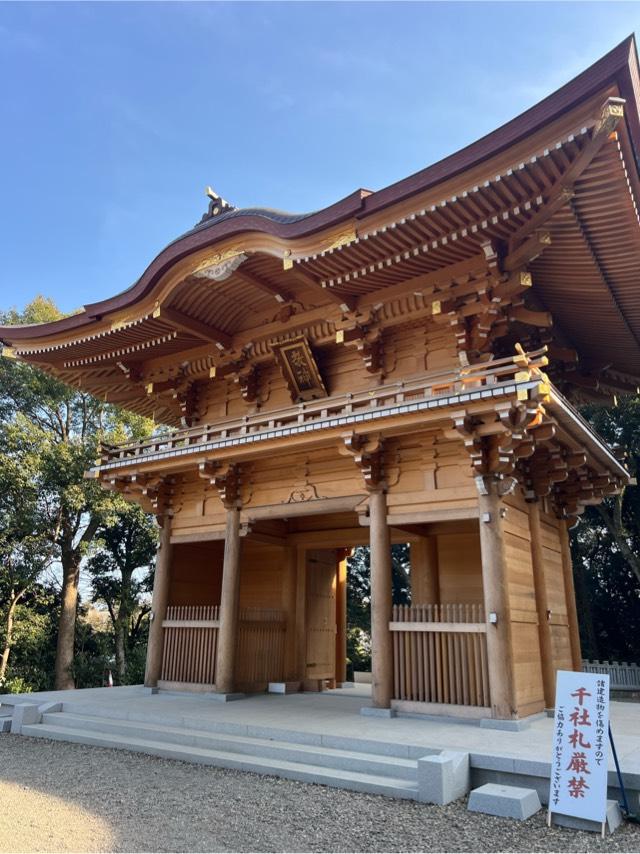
605,547
359,599
126,546
25,547
56,432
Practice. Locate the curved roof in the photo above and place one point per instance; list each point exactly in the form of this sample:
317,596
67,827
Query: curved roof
543,168
618,68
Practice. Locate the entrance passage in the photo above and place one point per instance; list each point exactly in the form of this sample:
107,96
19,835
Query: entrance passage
321,614
291,617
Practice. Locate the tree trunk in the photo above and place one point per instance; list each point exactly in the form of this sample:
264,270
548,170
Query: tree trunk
121,658
8,635
121,627
585,610
615,526
67,623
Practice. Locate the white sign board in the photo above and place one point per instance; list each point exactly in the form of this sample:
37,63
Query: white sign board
580,746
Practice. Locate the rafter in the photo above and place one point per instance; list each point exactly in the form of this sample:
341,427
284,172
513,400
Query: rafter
563,191
346,303
185,323
586,236
279,294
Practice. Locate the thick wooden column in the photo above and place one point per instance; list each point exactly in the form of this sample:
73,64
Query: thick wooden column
301,614
381,601
229,600
341,615
542,605
570,597
496,601
425,578
159,602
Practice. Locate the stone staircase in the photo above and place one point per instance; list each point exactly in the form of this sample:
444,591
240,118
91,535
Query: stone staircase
374,767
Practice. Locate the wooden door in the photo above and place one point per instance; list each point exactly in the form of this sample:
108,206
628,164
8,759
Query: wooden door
321,570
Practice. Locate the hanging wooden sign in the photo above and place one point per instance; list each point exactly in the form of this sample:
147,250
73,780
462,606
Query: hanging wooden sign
580,746
300,369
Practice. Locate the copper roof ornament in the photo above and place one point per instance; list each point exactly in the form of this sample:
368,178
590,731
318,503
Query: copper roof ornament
217,205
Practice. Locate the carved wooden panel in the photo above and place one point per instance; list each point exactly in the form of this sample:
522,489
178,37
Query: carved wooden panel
300,370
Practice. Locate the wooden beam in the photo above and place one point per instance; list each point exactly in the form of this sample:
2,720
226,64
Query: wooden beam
563,192
527,251
439,280
185,323
524,315
279,294
346,303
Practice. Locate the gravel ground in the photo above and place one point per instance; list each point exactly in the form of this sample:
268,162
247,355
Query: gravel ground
69,797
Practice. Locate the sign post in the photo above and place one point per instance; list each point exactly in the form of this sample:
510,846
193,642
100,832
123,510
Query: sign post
580,747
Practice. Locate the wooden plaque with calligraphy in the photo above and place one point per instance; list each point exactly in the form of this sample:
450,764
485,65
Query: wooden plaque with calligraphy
300,370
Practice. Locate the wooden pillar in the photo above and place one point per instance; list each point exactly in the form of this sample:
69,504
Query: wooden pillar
542,605
229,599
341,615
301,613
425,579
159,602
496,602
290,599
381,601
570,597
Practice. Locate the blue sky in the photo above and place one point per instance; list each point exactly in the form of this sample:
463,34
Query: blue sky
115,116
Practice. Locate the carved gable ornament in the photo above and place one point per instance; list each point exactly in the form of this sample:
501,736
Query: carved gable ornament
299,369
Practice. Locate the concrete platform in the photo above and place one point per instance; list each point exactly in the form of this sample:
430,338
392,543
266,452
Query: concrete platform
333,720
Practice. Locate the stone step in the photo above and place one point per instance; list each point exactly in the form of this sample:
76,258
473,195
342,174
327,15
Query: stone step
305,773
258,730
347,760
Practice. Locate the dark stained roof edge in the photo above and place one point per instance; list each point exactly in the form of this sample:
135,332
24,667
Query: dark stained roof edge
619,66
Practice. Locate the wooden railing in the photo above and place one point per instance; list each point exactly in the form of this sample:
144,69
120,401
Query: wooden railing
260,649
622,675
440,654
191,638
190,644
435,384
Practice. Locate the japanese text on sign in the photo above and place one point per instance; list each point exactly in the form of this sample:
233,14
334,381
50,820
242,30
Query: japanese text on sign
579,751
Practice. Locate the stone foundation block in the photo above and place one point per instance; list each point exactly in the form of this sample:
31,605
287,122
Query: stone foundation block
24,714
224,698
443,777
506,725
375,712
613,820
505,801
283,688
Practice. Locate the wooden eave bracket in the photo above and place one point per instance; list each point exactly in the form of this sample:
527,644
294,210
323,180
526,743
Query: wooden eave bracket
225,478
366,337
156,491
367,452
